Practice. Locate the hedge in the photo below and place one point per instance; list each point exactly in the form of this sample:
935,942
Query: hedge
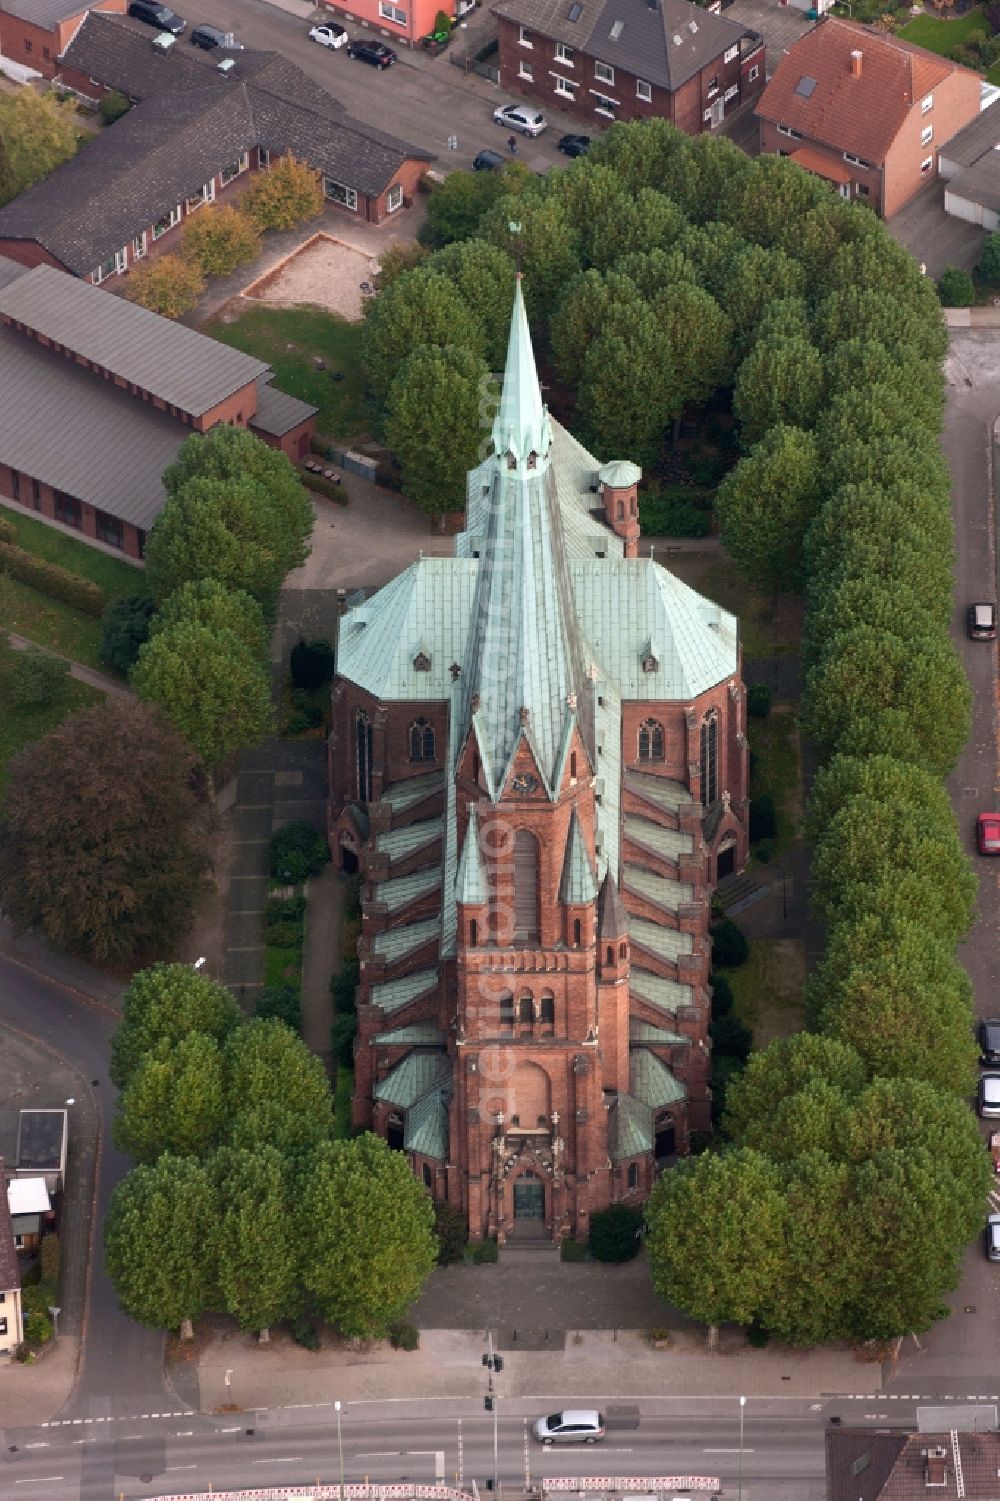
49,578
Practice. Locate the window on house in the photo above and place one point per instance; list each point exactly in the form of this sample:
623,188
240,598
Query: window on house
643,91
564,87
572,765
27,45
113,266
36,494
139,246
364,748
3,1326
140,541
926,165
228,173
707,116
651,740
730,55
394,198
577,933
421,740
526,1009
709,759
69,510
525,887
604,106
524,36
204,194
263,156
713,86
507,1014
392,12
754,73
167,222
927,135
338,193
856,161
15,484
564,54
604,72
731,92
473,934
926,103
525,69
862,189
633,1176
623,951
109,529
46,52
547,1011
786,130
428,1176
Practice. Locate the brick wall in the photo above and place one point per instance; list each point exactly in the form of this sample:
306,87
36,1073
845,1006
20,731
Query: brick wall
954,103
27,494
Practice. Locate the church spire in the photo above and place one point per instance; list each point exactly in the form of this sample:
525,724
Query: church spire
521,425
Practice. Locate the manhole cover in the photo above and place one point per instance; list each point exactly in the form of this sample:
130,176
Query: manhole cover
970,791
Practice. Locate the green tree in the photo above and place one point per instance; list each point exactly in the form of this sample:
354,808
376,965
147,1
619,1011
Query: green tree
779,382
779,1073
258,1236
112,106
628,391
590,304
868,415
869,690
173,1101
277,1093
124,627
864,362
160,1236
420,307
893,533
903,463
37,134
989,257
882,779
761,203
757,276
657,153
765,505
699,335
654,271
395,259
823,1260
96,847
456,206
288,193
162,1006
876,262
484,275
220,238
435,424
717,1236
785,318
39,680
547,245
714,249
212,689
906,331
367,1229
170,285
855,596
956,287
613,220
206,602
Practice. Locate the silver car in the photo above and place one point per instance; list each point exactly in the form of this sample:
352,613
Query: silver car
520,117
989,1096
574,1426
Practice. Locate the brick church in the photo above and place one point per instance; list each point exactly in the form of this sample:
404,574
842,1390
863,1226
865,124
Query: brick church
538,761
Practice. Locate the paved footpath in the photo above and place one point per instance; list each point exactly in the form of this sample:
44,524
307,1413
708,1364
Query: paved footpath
77,670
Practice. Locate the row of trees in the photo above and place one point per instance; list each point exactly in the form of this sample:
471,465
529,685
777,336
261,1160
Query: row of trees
243,1202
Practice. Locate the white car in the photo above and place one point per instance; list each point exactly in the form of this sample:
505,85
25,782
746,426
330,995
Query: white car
520,117
329,35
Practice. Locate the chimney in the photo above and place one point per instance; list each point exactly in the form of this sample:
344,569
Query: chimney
856,57
936,1469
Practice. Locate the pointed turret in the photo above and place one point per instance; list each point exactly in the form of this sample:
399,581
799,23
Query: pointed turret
470,882
612,919
578,886
521,425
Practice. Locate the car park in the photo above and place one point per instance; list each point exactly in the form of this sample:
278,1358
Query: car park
989,1096
330,34
989,1041
209,37
488,161
982,622
160,16
988,833
520,117
574,1426
574,145
376,53
991,1235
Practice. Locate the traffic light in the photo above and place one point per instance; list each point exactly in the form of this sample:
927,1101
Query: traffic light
498,1363
488,1403
486,1360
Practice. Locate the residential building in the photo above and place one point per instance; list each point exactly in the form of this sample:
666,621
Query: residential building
400,22
11,1325
196,128
865,111
33,33
42,1146
970,165
538,760
604,60
99,395
896,1464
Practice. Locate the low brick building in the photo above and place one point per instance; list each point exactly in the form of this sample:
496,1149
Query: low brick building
604,60
33,33
865,111
538,760
99,395
192,132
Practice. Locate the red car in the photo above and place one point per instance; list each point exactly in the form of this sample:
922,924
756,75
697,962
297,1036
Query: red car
988,833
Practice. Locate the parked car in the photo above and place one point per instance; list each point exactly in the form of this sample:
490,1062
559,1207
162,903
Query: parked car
330,34
376,53
989,1096
988,833
989,1040
575,1425
991,1236
574,145
982,619
520,117
154,14
488,161
209,37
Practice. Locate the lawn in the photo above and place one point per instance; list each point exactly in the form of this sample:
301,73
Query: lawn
768,991
941,36
21,727
110,574
768,628
50,622
290,340
777,769
283,967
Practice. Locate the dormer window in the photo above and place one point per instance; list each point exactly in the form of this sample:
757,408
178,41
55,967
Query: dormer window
421,662
649,663
532,460
511,460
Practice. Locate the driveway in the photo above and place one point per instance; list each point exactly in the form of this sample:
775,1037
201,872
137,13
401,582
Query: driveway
934,238
780,25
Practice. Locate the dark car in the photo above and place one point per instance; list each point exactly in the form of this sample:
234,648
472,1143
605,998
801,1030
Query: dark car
991,1236
154,14
488,161
376,53
988,833
982,622
210,37
989,1040
574,145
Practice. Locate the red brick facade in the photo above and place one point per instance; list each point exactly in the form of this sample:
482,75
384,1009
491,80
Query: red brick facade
55,505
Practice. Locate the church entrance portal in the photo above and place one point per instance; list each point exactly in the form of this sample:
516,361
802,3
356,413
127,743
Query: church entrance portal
726,863
529,1199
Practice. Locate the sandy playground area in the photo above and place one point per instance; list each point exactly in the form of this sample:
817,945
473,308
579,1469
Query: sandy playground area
324,271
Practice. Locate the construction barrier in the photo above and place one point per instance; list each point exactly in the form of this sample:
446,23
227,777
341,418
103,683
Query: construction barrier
405,1492
644,1483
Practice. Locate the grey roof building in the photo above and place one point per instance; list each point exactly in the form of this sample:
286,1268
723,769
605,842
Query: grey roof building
970,165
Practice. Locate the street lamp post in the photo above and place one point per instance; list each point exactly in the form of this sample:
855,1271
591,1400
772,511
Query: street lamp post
340,1449
493,1363
464,26
743,1403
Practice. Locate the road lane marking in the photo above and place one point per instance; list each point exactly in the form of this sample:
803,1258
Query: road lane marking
180,1467
378,1454
36,1446
727,1451
286,1459
42,1480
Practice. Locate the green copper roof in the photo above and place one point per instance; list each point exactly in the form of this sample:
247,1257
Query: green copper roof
668,843
418,1034
413,836
392,994
578,886
395,943
470,883
666,995
426,1129
400,891
665,943
429,602
645,1032
662,791
659,889
404,794
521,425
652,1081
413,1077
630,1128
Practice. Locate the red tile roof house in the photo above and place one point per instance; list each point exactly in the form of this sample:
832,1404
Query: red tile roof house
192,133
34,32
604,60
866,111
99,395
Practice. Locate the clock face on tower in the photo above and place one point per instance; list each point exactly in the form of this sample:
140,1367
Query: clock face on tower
524,782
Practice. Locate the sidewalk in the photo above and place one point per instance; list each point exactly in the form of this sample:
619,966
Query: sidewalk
76,669
33,953
324,914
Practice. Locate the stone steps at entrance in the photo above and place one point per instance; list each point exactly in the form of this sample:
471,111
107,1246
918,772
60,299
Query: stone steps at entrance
529,1253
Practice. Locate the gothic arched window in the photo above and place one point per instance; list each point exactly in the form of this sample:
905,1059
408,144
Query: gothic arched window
633,1175
525,887
547,1010
576,932
526,1009
363,755
651,740
710,758
421,740
507,1013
